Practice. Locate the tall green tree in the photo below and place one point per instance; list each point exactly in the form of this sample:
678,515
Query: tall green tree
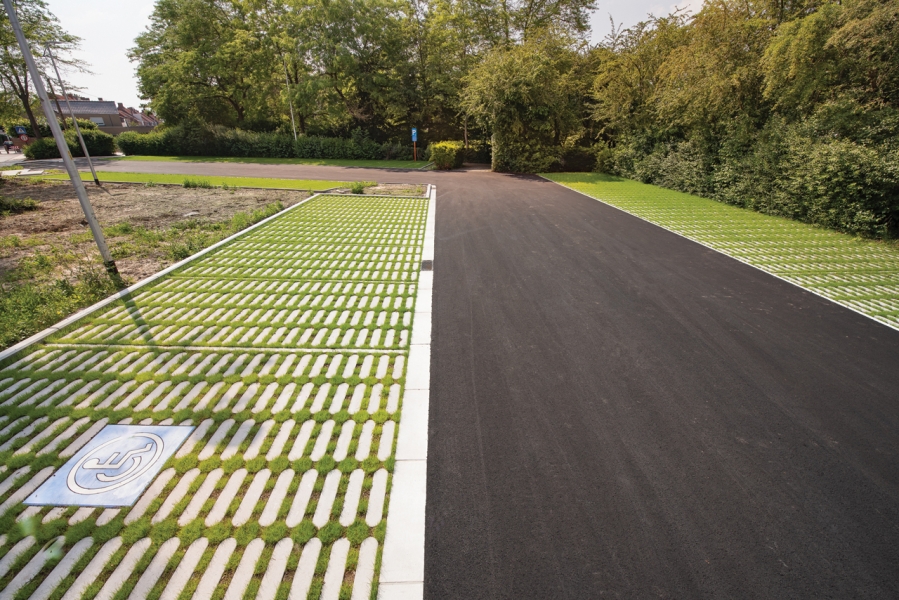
40,27
529,96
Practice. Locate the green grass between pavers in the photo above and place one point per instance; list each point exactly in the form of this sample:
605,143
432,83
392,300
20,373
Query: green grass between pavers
299,327
859,273
214,180
323,162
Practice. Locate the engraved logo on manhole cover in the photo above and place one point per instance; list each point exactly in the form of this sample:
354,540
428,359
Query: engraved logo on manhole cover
114,468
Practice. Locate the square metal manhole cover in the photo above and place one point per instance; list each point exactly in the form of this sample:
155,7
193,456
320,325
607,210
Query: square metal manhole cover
427,265
114,468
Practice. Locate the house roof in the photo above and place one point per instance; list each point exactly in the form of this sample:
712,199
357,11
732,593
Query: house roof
89,107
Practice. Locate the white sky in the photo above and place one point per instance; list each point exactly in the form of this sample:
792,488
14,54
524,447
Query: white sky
107,29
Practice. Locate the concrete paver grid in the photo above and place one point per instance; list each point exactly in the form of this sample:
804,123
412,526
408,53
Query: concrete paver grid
287,349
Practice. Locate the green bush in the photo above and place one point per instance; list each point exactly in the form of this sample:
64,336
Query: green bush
196,183
524,156
84,124
194,138
97,142
477,152
447,155
16,206
42,148
826,170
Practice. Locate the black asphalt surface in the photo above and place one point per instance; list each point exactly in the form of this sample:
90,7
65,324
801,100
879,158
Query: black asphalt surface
618,412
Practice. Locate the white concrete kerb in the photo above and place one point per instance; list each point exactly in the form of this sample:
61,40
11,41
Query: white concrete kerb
402,563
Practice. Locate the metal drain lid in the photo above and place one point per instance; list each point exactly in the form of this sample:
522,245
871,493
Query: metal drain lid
427,265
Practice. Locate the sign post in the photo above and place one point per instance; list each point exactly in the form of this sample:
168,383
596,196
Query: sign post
414,144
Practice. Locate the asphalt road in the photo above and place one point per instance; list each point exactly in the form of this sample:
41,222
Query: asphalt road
619,412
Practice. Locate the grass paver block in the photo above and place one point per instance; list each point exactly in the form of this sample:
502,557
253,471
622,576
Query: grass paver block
286,349
857,273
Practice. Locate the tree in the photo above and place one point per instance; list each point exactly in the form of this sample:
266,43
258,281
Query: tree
40,27
205,59
529,96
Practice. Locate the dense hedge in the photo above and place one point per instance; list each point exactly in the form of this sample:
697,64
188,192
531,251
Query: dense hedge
477,152
84,124
97,142
844,176
447,155
197,139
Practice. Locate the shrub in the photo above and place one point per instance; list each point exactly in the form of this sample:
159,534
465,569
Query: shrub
577,160
477,152
43,148
193,138
196,183
357,187
511,155
97,142
16,206
447,155
84,124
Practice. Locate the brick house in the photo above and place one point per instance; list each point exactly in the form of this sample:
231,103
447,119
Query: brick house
109,117
131,117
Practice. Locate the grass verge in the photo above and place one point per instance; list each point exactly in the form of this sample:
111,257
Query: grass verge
321,162
212,180
858,273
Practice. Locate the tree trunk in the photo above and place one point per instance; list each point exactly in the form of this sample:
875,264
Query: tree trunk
21,91
465,131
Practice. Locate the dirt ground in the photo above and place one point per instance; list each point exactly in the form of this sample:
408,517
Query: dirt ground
59,224
138,204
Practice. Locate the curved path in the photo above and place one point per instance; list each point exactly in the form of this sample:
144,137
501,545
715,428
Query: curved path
619,412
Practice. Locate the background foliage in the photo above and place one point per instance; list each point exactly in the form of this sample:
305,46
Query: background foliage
789,108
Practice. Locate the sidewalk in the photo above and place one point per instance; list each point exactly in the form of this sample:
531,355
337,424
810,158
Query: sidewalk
286,350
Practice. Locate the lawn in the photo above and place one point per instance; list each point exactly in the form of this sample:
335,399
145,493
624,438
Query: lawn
325,162
858,273
287,350
209,181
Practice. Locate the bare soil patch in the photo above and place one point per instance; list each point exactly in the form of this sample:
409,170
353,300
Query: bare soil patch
59,221
139,204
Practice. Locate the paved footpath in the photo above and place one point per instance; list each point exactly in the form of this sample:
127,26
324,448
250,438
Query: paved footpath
619,412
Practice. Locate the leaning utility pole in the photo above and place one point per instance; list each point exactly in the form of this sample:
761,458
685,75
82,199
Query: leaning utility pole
74,176
65,96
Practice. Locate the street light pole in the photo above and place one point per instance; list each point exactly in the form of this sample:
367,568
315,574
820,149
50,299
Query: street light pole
61,144
65,96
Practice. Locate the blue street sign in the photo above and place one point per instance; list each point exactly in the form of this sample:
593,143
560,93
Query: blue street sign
21,130
414,134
